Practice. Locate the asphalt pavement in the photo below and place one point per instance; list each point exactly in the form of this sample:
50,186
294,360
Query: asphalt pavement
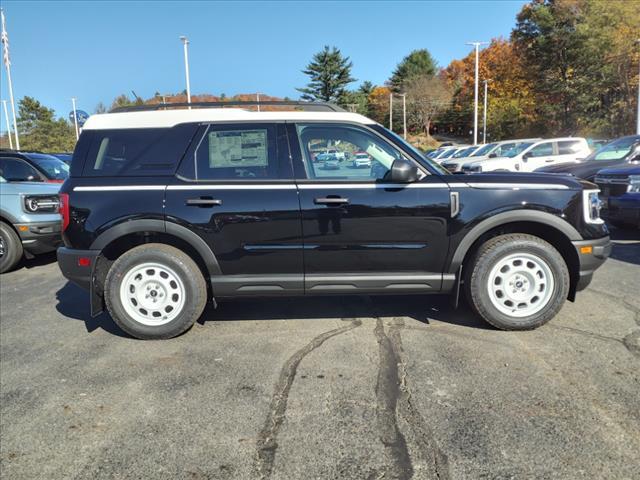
332,387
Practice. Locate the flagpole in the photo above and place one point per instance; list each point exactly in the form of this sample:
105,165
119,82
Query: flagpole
7,63
6,119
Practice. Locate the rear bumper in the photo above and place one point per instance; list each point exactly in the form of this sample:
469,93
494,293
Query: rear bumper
69,263
591,260
39,237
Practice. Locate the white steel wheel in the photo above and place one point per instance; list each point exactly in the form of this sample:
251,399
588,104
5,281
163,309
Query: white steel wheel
152,294
520,284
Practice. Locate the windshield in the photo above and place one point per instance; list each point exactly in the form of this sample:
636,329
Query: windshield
464,152
616,150
448,153
512,152
54,168
484,150
421,156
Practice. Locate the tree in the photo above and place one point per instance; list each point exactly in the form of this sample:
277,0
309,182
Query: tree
39,130
366,87
122,101
427,95
330,73
511,103
379,105
100,108
417,63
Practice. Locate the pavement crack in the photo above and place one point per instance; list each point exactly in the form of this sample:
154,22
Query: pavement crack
387,393
436,460
267,444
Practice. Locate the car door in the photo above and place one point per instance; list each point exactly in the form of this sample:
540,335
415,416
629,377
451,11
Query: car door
235,189
538,156
570,151
361,232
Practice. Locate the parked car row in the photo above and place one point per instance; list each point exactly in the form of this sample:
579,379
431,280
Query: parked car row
613,166
30,221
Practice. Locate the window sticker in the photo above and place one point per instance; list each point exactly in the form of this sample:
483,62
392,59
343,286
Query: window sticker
238,148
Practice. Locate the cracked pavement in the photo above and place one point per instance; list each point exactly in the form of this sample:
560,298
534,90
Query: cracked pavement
333,387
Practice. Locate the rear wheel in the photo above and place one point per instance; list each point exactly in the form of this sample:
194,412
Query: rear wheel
10,248
155,291
517,282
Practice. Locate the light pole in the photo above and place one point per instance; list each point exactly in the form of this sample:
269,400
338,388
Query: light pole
484,120
404,114
6,119
258,100
75,117
185,44
475,90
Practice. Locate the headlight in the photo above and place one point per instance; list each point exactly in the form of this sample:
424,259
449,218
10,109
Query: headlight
41,203
634,184
592,205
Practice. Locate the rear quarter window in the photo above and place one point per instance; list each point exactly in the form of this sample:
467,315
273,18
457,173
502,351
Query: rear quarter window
136,152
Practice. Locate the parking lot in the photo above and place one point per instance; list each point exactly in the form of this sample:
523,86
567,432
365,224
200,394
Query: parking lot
334,387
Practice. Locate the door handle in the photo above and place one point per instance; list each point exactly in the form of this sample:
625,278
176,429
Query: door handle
549,160
203,202
331,201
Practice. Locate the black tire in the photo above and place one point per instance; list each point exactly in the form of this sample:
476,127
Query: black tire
180,264
498,248
11,248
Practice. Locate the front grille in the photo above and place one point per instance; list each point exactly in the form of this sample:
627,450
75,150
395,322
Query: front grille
612,185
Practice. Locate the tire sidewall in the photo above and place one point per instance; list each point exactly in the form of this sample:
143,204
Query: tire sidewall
182,265
12,246
480,279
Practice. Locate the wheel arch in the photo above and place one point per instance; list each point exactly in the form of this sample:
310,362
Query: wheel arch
546,226
124,236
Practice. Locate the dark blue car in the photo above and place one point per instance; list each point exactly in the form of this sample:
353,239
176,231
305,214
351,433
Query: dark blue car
620,193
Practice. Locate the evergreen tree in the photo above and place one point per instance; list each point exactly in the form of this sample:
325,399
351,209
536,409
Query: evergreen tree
330,73
417,63
40,130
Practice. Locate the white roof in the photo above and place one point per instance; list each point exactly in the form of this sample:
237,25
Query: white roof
169,118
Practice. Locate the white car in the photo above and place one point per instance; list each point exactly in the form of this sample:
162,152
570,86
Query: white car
361,160
445,152
529,156
490,150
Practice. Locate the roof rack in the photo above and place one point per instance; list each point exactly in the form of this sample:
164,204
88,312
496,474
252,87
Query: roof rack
307,106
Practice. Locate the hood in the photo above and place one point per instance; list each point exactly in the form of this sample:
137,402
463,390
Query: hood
627,170
18,188
586,170
512,179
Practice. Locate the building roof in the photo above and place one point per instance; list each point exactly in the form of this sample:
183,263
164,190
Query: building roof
169,118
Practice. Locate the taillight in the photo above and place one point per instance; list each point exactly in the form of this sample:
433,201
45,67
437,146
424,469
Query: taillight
64,210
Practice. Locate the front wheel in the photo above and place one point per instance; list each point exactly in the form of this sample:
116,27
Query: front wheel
155,291
517,282
10,248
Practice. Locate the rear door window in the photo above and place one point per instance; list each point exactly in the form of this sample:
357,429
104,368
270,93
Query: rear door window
137,151
239,152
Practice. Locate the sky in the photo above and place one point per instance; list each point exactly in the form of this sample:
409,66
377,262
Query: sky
95,51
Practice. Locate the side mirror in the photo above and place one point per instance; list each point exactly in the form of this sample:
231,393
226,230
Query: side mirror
402,171
526,156
493,155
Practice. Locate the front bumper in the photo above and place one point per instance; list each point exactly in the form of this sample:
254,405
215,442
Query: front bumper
591,255
75,270
39,237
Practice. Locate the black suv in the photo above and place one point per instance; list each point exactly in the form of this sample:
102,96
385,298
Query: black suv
168,207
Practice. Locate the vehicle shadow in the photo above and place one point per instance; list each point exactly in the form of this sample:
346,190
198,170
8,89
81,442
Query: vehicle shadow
38,260
626,245
421,308
73,302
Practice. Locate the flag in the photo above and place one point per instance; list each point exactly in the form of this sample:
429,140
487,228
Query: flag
5,43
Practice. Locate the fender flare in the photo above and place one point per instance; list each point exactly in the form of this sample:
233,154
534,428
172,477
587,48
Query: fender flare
484,226
160,226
